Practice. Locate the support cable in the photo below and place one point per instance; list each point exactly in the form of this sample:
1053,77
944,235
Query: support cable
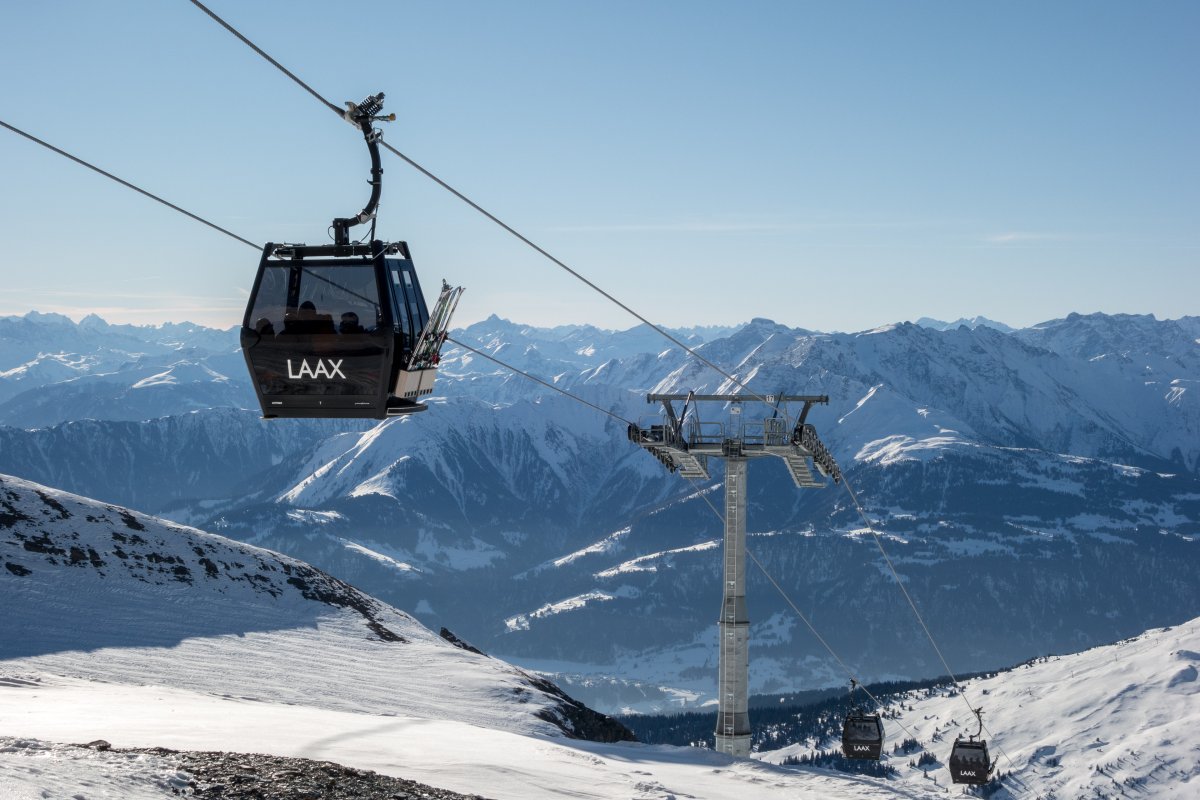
128,185
892,568
536,379
557,262
263,53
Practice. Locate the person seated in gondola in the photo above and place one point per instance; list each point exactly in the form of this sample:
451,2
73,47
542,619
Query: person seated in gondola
863,730
350,324
973,756
264,327
307,320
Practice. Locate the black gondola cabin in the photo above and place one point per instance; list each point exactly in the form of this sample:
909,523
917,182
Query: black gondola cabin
969,761
862,736
330,331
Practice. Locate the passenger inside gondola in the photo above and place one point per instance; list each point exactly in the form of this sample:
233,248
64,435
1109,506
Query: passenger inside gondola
863,730
307,320
350,324
970,755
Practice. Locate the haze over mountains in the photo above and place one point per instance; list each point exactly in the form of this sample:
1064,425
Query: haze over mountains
1039,489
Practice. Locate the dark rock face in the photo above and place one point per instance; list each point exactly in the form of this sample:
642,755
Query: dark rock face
579,721
449,636
574,718
316,585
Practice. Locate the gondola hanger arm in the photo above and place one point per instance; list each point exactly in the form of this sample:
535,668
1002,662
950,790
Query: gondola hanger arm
362,116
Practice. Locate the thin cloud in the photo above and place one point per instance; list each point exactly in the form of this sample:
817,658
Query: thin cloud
1020,237
680,227
733,226
170,297
218,312
78,312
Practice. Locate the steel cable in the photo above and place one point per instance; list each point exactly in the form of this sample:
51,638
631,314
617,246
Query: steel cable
129,185
892,568
536,379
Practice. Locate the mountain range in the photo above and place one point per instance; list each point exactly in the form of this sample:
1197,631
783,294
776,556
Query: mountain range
1038,490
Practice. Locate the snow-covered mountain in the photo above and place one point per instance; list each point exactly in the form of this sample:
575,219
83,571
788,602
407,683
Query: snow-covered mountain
53,370
103,594
1039,491
23,338
970,322
194,463
1114,721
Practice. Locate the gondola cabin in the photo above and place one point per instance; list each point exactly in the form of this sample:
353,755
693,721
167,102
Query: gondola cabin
342,330
969,761
335,330
862,736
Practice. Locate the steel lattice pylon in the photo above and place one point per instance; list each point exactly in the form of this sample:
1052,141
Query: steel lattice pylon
685,445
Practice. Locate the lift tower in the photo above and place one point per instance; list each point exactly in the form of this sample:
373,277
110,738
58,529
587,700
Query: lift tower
685,444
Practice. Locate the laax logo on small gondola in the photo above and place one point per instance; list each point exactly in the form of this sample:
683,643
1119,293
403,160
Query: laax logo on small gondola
325,369
862,748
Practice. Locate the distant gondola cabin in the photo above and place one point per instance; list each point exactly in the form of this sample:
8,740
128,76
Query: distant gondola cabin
969,761
862,736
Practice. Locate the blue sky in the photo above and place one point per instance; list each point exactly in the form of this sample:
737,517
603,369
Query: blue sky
833,166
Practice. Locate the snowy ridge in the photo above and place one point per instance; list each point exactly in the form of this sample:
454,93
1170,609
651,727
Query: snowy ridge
650,563
104,594
1115,721
53,370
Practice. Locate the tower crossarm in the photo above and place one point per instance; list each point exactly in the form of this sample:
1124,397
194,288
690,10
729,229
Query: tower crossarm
771,399
805,436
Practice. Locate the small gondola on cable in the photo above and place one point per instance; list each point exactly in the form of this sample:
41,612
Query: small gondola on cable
969,760
862,733
342,329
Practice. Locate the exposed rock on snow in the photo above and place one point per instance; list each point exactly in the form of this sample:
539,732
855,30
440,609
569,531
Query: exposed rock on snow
30,767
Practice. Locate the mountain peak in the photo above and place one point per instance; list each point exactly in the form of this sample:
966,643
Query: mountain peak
47,318
969,322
